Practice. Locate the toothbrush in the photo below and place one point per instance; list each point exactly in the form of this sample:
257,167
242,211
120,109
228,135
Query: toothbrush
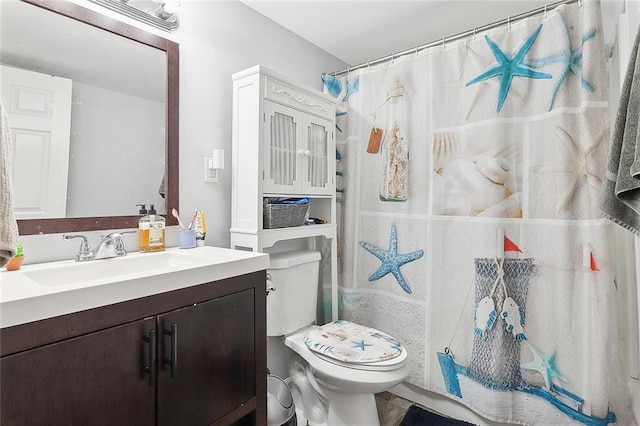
193,219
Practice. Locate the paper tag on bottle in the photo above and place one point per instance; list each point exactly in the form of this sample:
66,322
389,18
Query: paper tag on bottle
374,140
156,234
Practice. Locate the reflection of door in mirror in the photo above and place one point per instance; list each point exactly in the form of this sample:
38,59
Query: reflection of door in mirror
39,112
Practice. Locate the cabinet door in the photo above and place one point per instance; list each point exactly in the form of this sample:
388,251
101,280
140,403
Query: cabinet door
212,347
96,379
319,156
282,150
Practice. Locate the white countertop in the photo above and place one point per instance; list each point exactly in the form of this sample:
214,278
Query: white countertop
46,290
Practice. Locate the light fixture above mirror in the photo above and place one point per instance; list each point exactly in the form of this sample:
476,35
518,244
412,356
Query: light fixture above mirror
157,13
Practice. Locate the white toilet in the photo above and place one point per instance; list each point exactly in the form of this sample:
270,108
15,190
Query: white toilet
336,368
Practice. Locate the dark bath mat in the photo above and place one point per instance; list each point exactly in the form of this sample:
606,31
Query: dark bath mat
416,416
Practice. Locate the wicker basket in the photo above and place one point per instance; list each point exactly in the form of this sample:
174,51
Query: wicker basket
284,215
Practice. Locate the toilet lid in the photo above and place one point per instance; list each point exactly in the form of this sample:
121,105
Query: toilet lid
352,343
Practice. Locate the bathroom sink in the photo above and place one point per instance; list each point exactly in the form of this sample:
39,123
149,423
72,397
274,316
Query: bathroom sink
102,269
44,290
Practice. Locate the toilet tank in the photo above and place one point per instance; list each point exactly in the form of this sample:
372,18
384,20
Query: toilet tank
292,305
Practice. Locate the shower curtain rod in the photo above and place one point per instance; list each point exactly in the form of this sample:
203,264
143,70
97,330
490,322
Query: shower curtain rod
454,37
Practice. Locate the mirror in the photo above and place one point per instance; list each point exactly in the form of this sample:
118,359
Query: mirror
122,143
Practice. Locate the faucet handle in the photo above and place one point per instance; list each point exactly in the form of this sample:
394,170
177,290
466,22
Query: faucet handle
85,249
119,234
116,237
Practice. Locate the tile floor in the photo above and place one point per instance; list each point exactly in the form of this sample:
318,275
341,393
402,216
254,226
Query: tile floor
391,408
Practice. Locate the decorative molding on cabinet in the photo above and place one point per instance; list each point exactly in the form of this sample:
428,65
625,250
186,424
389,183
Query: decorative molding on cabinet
299,99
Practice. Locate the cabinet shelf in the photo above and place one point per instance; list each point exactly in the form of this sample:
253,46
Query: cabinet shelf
268,237
326,230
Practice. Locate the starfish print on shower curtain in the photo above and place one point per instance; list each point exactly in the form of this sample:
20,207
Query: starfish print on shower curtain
477,62
570,60
510,67
545,365
577,166
391,259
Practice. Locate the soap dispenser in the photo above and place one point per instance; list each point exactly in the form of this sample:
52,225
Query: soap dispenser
143,209
151,229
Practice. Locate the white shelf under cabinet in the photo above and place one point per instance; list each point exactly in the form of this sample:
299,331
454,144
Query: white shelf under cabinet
283,146
268,237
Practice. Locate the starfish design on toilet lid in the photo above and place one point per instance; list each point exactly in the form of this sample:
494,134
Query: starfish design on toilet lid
353,343
361,344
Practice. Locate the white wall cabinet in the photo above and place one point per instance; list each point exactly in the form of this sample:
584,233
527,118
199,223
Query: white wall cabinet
283,146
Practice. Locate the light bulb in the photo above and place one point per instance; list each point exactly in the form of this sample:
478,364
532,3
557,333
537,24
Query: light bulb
170,6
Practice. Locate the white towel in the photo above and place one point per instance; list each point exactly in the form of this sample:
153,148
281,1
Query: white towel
620,191
8,225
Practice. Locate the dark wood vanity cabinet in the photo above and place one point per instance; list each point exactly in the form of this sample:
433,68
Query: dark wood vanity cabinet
207,363
92,379
214,371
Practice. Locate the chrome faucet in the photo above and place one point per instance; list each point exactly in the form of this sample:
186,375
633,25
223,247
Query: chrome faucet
110,245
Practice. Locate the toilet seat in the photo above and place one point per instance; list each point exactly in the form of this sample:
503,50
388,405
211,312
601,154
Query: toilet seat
343,372
388,365
355,346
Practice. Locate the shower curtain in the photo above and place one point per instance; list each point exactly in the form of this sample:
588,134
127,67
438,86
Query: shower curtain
469,220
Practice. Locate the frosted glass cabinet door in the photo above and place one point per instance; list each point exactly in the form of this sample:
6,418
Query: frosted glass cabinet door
282,169
299,156
318,156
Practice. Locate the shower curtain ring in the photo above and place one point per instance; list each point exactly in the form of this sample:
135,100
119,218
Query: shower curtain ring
416,50
545,11
509,22
475,30
444,41
368,65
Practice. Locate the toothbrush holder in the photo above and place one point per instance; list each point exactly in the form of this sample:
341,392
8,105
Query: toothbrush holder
186,238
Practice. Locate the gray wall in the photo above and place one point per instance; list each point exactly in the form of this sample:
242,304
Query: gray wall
217,39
